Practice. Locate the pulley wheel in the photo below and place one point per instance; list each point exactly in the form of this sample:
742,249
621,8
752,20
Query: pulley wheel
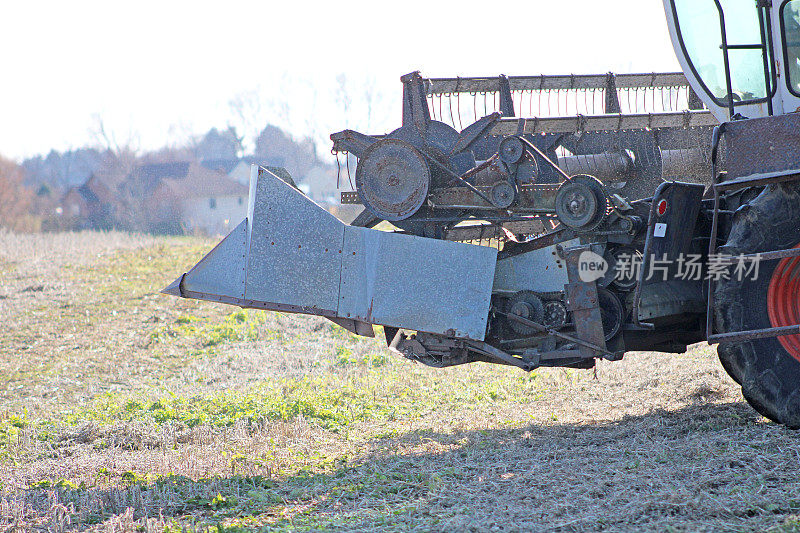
392,179
511,150
581,203
555,314
625,263
612,314
502,194
527,305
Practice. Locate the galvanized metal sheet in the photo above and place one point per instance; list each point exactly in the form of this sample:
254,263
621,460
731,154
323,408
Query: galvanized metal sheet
222,270
295,247
292,255
416,283
538,270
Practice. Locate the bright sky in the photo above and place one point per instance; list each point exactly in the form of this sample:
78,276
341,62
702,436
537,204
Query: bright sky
159,71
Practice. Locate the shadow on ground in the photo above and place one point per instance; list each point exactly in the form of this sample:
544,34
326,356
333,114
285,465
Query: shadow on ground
703,467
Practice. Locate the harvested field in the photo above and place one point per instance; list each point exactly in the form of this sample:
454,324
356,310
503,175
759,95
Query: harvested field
125,410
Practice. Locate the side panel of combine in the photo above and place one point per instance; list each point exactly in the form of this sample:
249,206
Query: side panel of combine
292,255
295,253
416,283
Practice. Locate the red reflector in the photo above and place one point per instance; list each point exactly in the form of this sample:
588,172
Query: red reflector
662,207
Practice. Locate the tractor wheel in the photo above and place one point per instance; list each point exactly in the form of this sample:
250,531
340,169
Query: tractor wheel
768,370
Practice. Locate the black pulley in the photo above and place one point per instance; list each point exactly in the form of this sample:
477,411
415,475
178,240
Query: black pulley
392,179
502,194
527,305
612,314
511,150
555,314
581,203
624,263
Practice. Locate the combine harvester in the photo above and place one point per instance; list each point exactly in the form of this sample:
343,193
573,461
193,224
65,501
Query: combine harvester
628,212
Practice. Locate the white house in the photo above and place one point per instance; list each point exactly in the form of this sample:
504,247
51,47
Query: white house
205,200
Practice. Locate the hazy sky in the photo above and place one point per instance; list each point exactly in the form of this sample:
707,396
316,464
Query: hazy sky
159,71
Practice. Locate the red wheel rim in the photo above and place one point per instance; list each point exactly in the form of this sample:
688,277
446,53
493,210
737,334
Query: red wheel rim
783,301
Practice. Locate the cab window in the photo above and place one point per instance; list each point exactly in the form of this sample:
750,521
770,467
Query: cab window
698,25
790,26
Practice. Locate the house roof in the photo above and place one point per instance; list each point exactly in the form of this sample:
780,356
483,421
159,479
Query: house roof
223,165
150,176
94,191
88,194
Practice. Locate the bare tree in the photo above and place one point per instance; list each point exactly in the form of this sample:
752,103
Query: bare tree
343,97
15,198
247,110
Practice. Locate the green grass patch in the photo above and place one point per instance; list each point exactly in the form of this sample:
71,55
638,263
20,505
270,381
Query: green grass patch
239,326
334,401
319,400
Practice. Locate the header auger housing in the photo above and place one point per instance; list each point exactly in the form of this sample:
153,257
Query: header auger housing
599,222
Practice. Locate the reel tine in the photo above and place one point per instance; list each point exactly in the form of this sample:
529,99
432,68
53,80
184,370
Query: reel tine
338,168
475,106
586,102
558,101
349,177
548,102
654,99
530,104
628,93
450,106
460,125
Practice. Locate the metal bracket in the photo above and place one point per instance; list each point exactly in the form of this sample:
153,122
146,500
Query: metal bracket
584,302
612,99
506,100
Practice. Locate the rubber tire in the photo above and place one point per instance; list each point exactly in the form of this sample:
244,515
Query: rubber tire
768,375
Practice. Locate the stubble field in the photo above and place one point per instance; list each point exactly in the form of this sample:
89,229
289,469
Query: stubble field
122,409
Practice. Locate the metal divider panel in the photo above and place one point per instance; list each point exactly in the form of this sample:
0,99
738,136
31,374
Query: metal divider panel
416,283
295,249
538,270
222,271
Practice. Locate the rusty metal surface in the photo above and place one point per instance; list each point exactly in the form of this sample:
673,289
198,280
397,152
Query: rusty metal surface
541,195
478,232
416,283
555,82
535,198
758,180
559,235
595,123
537,126
392,179
352,141
356,326
584,302
762,145
754,334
